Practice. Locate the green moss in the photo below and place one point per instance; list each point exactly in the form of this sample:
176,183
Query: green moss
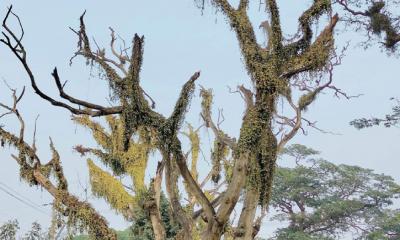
307,99
98,131
381,22
131,161
250,132
206,102
219,154
228,170
266,161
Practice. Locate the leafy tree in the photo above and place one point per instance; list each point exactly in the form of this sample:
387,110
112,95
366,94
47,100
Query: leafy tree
35,233
8,231
292,70
321,200
386,226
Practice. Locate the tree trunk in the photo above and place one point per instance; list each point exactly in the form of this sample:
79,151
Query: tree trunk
244,230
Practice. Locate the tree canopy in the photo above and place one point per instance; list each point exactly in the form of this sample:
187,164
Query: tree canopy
321,200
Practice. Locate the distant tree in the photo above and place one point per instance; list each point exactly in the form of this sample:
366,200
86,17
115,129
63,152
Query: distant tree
321,200
384,227
8,231
392,119
35,233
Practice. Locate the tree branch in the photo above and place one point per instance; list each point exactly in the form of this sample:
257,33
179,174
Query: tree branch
20,53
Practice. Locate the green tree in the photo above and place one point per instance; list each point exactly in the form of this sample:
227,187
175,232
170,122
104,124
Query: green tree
294,71
142,228
321,200
386,226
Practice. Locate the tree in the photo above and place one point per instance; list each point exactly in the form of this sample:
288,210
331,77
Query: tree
384,227
245,165
8,231
389,120
35,233
321,200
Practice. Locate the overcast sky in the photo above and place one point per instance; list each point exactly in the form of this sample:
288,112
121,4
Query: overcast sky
179,40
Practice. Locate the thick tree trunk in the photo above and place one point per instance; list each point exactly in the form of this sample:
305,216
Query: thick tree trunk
244,230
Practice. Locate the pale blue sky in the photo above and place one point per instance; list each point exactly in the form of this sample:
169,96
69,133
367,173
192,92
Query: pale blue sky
179,41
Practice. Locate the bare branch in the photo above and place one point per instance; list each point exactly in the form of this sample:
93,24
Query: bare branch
14,110
192,185
20,53
344,4
209,123
295,128
71,99
84,50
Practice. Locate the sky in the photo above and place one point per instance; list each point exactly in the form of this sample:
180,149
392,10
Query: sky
179,40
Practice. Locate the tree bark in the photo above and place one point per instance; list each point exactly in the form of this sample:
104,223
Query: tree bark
244,231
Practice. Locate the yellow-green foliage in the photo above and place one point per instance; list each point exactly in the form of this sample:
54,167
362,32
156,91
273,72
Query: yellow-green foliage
194,139
132,161
228,168
111,189
98,131
117,132
135,162
307,99
209,195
